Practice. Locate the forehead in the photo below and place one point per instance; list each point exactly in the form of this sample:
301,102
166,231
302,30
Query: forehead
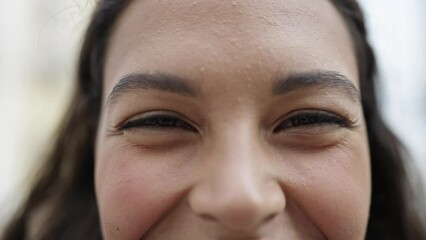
229,38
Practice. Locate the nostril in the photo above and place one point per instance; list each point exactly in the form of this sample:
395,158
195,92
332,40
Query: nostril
208,217
270,217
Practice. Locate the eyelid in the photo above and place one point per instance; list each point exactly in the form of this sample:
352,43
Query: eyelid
155,114
348,122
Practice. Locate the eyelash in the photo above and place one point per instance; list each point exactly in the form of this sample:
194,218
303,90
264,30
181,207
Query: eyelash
314,119
300,120
158,122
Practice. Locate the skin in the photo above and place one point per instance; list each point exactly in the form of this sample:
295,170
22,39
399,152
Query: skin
231,174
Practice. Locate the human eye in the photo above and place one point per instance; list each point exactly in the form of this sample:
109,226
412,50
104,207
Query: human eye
157,121
311,119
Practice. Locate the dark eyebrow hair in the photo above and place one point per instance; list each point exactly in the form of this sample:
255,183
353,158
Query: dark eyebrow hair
158,81
318,79
175,84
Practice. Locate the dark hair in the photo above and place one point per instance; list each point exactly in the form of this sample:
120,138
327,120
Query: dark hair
63,201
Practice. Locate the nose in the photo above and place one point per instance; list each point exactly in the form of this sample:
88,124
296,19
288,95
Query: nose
237,190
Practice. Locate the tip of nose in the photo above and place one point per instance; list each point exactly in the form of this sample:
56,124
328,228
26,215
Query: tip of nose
239,215
244,209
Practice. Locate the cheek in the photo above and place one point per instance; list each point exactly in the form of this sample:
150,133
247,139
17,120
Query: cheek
134,190
334,191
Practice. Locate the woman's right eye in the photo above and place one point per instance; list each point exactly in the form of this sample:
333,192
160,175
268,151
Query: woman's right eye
157,122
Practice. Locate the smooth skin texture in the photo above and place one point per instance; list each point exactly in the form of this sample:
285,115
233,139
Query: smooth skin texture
232,120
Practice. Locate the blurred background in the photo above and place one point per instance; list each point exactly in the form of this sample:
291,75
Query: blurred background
39,43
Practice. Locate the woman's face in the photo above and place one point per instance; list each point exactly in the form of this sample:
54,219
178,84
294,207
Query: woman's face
230,120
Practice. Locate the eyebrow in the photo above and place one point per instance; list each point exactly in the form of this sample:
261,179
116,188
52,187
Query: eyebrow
317,79
174,84
155,81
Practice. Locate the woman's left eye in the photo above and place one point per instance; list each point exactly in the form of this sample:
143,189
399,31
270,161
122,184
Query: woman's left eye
308,119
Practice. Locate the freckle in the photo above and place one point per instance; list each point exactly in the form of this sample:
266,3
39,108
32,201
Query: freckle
271,51
117,229
249,82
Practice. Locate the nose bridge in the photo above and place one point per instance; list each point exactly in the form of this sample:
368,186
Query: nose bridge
234,154
231,170
236,189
